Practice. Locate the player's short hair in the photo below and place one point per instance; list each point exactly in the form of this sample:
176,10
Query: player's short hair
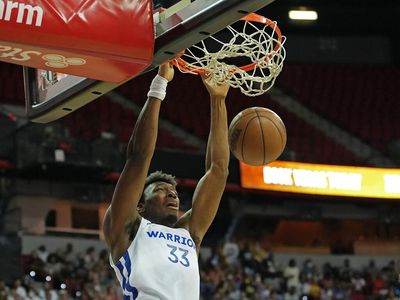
158,176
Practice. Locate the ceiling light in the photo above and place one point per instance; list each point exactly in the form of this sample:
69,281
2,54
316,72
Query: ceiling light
303,15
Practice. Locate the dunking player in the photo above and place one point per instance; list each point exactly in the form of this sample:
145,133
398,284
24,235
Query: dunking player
153,253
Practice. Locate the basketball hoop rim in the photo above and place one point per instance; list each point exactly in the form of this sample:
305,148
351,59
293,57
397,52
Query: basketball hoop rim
253,17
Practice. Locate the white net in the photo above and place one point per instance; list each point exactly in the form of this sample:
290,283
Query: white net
249,58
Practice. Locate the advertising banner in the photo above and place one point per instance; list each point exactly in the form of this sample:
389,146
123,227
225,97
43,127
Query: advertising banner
98,39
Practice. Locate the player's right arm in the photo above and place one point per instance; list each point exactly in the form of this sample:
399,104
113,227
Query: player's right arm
122,218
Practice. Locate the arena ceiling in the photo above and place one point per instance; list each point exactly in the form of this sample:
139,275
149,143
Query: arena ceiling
339,17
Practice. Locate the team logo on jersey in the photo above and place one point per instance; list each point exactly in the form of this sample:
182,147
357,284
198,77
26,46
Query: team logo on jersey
176,238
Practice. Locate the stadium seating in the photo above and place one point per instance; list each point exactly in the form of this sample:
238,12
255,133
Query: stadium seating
328,90
105,115
187,106
12,85
358,98
318,275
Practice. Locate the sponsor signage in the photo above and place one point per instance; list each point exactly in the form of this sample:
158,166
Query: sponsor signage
316,179
110,41
21,13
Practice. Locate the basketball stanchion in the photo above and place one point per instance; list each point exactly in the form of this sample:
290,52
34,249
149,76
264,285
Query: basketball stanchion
248,55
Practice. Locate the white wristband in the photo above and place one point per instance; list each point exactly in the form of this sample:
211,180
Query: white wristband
158,88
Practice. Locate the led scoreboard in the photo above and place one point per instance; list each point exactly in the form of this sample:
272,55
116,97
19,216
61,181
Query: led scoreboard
304,178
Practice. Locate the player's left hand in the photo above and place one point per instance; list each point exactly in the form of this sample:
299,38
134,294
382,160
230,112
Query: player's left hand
215,90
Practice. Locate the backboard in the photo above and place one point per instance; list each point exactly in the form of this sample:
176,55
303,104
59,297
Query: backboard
51,95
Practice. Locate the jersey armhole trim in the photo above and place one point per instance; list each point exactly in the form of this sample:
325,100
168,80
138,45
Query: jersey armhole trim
143,222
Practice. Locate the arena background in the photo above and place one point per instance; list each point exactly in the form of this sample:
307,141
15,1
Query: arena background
338,97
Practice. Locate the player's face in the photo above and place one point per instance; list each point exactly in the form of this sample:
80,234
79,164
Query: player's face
162,202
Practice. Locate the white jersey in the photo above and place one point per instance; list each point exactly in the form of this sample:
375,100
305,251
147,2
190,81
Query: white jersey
160,264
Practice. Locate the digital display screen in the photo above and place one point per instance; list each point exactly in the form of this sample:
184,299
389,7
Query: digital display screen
45,86
51,95
45,80
317,179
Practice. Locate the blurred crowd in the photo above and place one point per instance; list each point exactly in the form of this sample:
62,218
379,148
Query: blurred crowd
234,271
64,274
247,271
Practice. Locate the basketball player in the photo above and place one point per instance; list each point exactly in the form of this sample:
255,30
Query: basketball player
153,252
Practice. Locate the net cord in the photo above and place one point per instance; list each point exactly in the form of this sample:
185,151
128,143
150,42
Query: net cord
265,51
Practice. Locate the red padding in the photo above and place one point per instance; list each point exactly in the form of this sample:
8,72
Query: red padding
100,39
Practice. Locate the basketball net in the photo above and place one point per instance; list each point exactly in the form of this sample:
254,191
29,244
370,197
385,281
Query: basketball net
258,42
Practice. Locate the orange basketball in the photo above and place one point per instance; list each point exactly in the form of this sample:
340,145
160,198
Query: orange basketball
257,136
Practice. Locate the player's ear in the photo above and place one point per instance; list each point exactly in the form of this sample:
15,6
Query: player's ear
140,207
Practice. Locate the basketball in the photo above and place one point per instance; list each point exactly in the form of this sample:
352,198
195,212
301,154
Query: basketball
257,136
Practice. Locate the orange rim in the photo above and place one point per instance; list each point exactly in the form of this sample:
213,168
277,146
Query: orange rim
183,65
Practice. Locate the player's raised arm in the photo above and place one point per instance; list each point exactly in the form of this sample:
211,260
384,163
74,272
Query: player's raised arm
122,216
211,186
